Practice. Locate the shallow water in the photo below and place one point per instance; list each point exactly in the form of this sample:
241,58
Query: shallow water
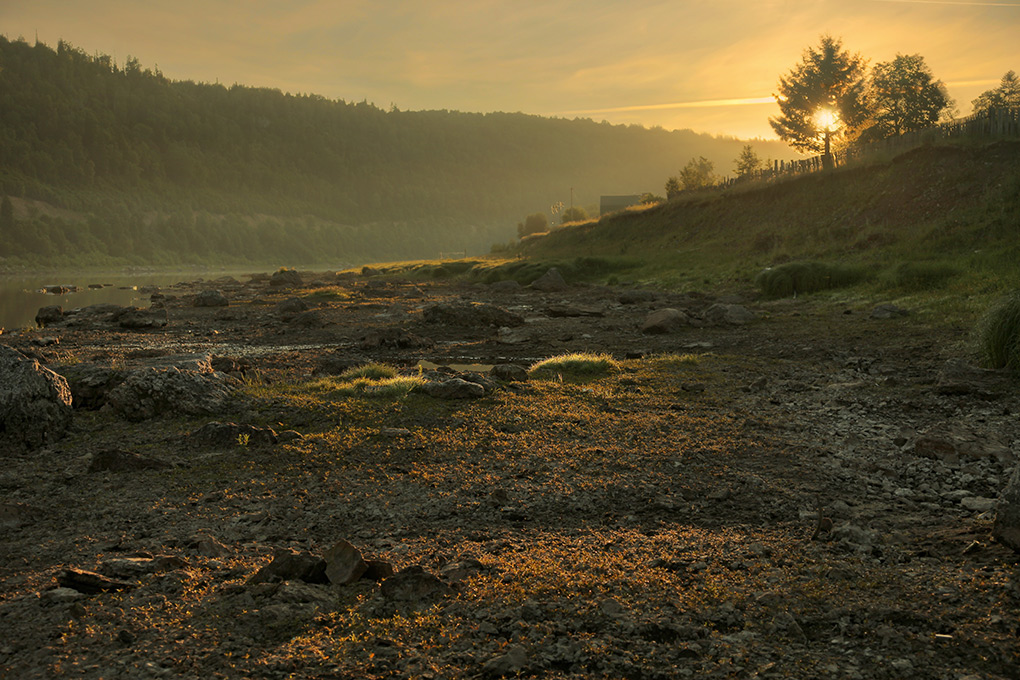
21,296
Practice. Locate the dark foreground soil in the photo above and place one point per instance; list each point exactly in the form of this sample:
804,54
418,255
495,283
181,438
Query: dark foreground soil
790,498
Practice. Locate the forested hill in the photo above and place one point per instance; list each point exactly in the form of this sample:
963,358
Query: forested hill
150,169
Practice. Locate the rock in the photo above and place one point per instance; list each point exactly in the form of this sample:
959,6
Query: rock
456,572
89,582
509,373
290,564
550,282
150,392
211,298
344,564
665,320
13,515
91,383
454,388
35,402
291,307
132,567
514,662
978,503
415,586
60,595
514,336
632,297
393,337
113,460
134,318
209,547
958,377
49,315
285,278
1006,528
567,311
936,448
506,286
300,592
470,314
378,570
231,435
888,311
734,315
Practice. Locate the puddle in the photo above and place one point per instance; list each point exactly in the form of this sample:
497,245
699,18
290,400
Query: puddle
462,368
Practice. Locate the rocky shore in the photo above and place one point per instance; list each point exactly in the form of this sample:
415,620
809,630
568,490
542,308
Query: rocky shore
774,489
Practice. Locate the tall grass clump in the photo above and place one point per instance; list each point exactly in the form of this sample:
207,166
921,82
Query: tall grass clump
794,278
580,365
921,276
999,334
372,371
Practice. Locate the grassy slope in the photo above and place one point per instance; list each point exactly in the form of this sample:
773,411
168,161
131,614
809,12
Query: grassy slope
945,218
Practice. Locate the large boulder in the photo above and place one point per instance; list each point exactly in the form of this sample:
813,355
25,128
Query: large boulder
470,314
35,402
211,298
49,315
150,392
665,320
134,318
286,278
90,383
550,282
1006,529
957,377
734,315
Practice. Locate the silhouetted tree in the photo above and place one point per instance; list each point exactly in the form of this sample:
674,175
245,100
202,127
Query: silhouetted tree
574,215
748,162
823,100
1006,95
535,223
905,96
697,174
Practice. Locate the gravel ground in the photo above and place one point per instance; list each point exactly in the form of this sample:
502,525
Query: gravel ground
794,497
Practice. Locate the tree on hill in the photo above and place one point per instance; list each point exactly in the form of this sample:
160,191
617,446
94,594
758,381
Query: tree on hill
535,223
905,96
574,215
748,162
699,173
1006,95
823,100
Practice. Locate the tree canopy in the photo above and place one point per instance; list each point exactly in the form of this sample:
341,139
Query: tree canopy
905,96
1006,95
824,98
699,173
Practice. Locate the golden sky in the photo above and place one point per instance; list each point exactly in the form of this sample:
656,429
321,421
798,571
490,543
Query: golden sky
710,66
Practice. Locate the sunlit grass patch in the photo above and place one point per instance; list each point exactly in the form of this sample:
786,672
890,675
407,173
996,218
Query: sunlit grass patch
578,365
393,387
677,359
372,371
325,294
807,277
999,334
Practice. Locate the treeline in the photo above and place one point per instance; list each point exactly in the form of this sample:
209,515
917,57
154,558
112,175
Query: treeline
137,154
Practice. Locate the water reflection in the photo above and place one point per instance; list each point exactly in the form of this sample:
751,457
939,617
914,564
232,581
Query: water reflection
22,296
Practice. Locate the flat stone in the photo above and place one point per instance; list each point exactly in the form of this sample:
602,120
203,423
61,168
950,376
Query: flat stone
344,563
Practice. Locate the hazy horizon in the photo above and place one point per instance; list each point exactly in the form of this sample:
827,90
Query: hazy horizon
677,65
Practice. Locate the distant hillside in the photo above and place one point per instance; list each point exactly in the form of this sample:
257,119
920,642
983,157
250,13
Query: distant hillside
929,216
170,171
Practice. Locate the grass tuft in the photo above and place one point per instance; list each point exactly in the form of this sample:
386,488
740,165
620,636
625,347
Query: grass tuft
579,365
794,278
394,387
922,276
372,371
999,334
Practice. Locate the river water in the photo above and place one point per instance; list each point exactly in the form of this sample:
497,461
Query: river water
21,296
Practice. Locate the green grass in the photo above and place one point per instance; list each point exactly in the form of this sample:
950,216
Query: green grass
921,276
576,366
372,371
795,278
999,334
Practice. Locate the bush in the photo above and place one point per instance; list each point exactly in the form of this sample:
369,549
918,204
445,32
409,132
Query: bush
577,365
999,334
919,276
793,278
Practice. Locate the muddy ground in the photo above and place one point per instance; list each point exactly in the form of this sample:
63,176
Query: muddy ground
794,497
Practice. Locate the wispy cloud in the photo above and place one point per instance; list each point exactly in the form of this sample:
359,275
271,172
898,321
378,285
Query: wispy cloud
704,104
952,2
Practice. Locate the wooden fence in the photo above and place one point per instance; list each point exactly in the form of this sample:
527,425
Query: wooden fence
991,124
